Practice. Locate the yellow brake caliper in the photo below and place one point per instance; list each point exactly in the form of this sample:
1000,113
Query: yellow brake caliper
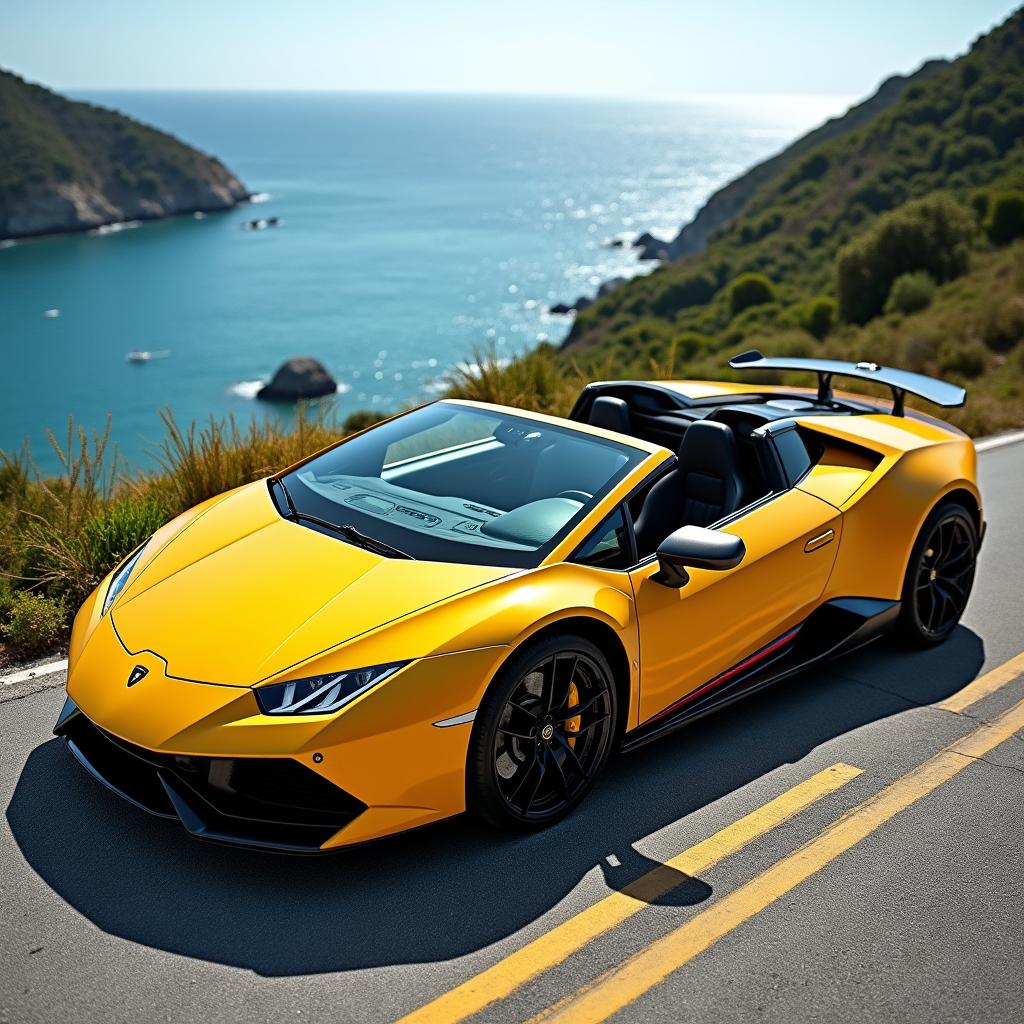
572,725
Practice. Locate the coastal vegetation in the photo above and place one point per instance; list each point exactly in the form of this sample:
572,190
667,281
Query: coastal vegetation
60,535
896,237
70,166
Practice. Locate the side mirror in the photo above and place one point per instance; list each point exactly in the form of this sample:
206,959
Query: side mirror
696,548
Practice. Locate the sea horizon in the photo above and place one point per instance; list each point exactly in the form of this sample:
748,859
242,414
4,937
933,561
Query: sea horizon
86,93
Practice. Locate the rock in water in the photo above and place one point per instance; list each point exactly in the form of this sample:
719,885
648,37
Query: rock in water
651,247
303,377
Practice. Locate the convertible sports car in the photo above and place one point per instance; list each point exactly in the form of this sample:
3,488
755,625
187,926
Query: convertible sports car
469,606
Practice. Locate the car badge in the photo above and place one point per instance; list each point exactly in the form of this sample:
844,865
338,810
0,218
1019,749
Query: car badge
138,674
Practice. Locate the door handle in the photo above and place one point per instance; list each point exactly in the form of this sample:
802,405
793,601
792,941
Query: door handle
820,541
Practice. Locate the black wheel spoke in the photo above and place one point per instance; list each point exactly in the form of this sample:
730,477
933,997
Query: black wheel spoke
542,762
587,726
529,718
945,541
961,574
957,557
932,609
517,735
580,709
558,681
548,671
559,775
532,775
945,602
953,583
570,755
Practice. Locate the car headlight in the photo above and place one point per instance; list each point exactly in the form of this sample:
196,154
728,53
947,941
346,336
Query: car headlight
320,695
119,579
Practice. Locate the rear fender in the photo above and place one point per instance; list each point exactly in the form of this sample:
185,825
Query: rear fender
881,522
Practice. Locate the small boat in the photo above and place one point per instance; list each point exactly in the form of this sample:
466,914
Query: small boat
141,356
262,223
51,314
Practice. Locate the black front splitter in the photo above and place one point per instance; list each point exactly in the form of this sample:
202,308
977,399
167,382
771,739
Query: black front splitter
199,793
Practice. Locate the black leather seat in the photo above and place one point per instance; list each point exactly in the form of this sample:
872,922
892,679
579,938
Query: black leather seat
704,487
610,413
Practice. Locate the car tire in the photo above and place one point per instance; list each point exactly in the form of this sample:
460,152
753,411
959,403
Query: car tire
530,761
939,577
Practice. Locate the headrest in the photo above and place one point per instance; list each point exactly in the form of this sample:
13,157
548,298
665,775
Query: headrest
708,445
610,414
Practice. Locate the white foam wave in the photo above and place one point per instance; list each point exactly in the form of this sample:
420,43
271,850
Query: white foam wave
250,388
113,229
260,197
246,388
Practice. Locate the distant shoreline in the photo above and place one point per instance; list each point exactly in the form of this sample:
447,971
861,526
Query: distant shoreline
116,226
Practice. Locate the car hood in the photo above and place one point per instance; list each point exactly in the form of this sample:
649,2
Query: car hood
241,594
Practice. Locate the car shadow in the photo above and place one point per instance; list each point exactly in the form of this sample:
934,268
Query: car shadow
453,888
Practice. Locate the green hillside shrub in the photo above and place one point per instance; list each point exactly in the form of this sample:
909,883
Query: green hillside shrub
911,292
811,168
931,234
755,230
1004,220
966,358
33,624
819,316
683,293
971,150
1002,323
749,290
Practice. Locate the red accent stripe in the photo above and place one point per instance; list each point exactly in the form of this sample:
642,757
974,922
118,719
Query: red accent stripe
728,674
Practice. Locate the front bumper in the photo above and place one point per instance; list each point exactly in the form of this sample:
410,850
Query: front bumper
379,767
270,803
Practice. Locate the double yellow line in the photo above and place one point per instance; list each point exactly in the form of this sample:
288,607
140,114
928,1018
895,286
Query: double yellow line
641,972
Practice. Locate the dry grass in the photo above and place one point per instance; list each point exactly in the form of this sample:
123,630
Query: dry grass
61,534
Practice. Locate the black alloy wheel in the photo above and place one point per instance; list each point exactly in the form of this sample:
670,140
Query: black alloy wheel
939,576
543,734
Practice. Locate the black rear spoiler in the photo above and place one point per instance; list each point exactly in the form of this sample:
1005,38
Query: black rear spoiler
902,382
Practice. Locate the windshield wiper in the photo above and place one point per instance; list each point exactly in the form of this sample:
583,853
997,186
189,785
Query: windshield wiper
349,532
346,530
292,510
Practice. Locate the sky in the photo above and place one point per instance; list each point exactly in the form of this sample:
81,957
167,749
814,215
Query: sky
627,48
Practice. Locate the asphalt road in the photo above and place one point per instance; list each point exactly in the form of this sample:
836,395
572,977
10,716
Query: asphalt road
109,915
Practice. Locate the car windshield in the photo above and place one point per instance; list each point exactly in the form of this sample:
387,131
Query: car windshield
454,483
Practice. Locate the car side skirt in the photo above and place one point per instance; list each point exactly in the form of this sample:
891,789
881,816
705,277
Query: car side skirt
836,627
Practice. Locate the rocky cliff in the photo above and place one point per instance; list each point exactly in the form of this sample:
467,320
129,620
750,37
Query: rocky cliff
69,166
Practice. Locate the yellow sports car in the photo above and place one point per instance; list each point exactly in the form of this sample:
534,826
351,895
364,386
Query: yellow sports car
469,606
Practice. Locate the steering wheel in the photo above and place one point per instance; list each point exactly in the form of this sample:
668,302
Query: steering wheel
581,496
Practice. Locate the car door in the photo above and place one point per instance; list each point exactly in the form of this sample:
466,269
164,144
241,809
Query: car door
689,636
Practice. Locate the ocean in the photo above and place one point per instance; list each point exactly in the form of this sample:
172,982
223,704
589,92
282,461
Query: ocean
415,230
